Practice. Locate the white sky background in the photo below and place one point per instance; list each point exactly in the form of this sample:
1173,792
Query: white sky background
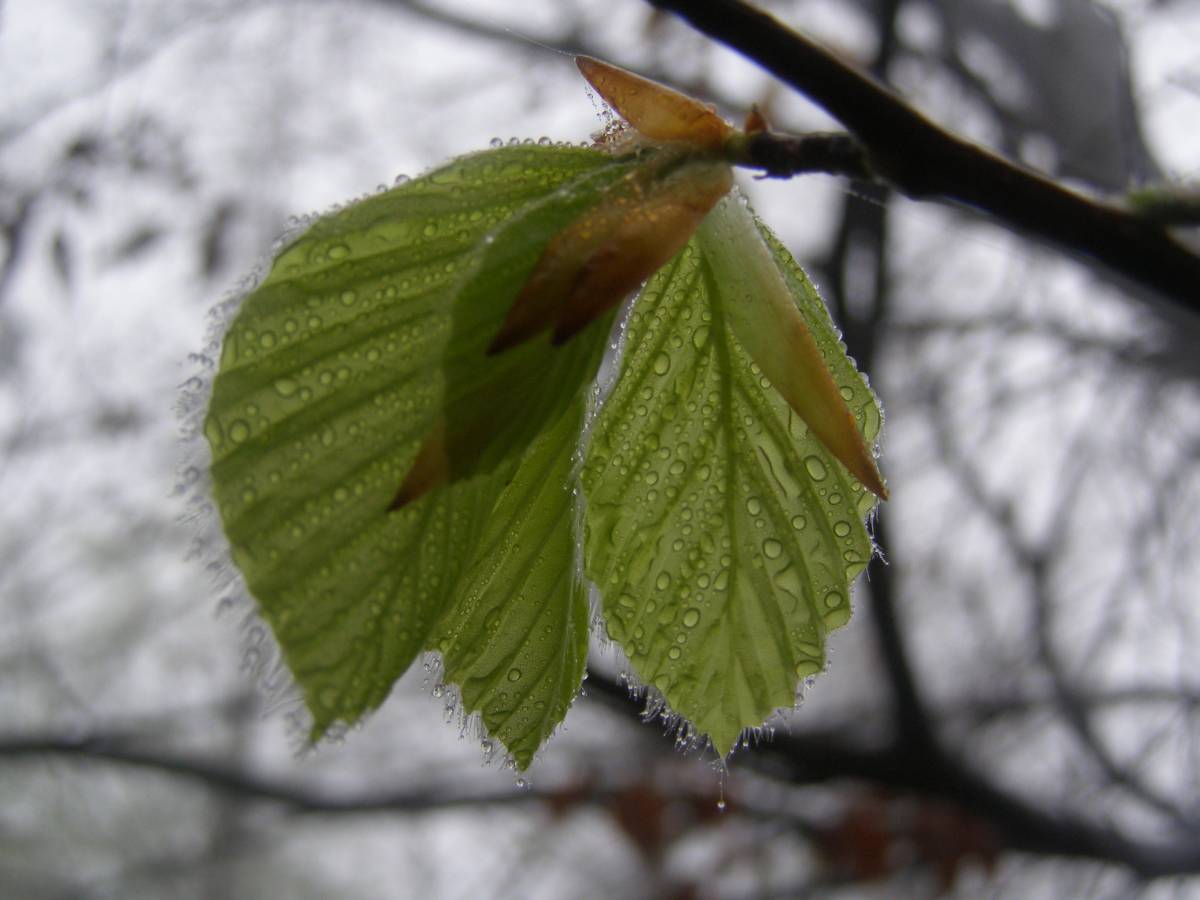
287,108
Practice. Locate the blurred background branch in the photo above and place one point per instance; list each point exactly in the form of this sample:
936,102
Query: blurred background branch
1014,709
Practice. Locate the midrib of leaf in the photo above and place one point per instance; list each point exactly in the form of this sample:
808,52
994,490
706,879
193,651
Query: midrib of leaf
728,385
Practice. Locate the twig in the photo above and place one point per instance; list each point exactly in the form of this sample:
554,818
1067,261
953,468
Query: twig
924,161
807,759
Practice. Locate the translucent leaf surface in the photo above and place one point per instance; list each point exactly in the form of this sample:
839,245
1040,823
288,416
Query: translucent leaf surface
334,372
494,403
516,639
722,534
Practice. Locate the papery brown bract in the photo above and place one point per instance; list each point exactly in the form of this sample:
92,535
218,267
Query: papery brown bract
654,110
602,257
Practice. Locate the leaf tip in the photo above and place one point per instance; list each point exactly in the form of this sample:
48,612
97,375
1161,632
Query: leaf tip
655,110
430,469
874,482
756,121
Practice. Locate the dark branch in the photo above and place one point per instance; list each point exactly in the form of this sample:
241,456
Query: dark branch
243,783
807,759
926,162
785,155
587,789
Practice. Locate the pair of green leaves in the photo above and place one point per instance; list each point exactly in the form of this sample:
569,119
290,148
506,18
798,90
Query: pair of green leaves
396,436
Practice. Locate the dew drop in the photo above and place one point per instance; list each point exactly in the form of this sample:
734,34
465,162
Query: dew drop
799,522
514,674
338,251
834,599
807,667
753,506
663,581
691,617
772,548
212,431
662,364
841,529
238,431
816,468
285,387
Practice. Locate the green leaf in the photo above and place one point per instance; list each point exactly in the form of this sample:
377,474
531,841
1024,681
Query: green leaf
516,640
363,335
721,532
494,404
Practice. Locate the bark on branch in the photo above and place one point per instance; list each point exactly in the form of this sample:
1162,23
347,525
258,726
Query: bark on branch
926,162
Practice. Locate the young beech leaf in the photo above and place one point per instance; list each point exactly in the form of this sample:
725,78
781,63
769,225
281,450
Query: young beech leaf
722,533
363,335
394,425
516,637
